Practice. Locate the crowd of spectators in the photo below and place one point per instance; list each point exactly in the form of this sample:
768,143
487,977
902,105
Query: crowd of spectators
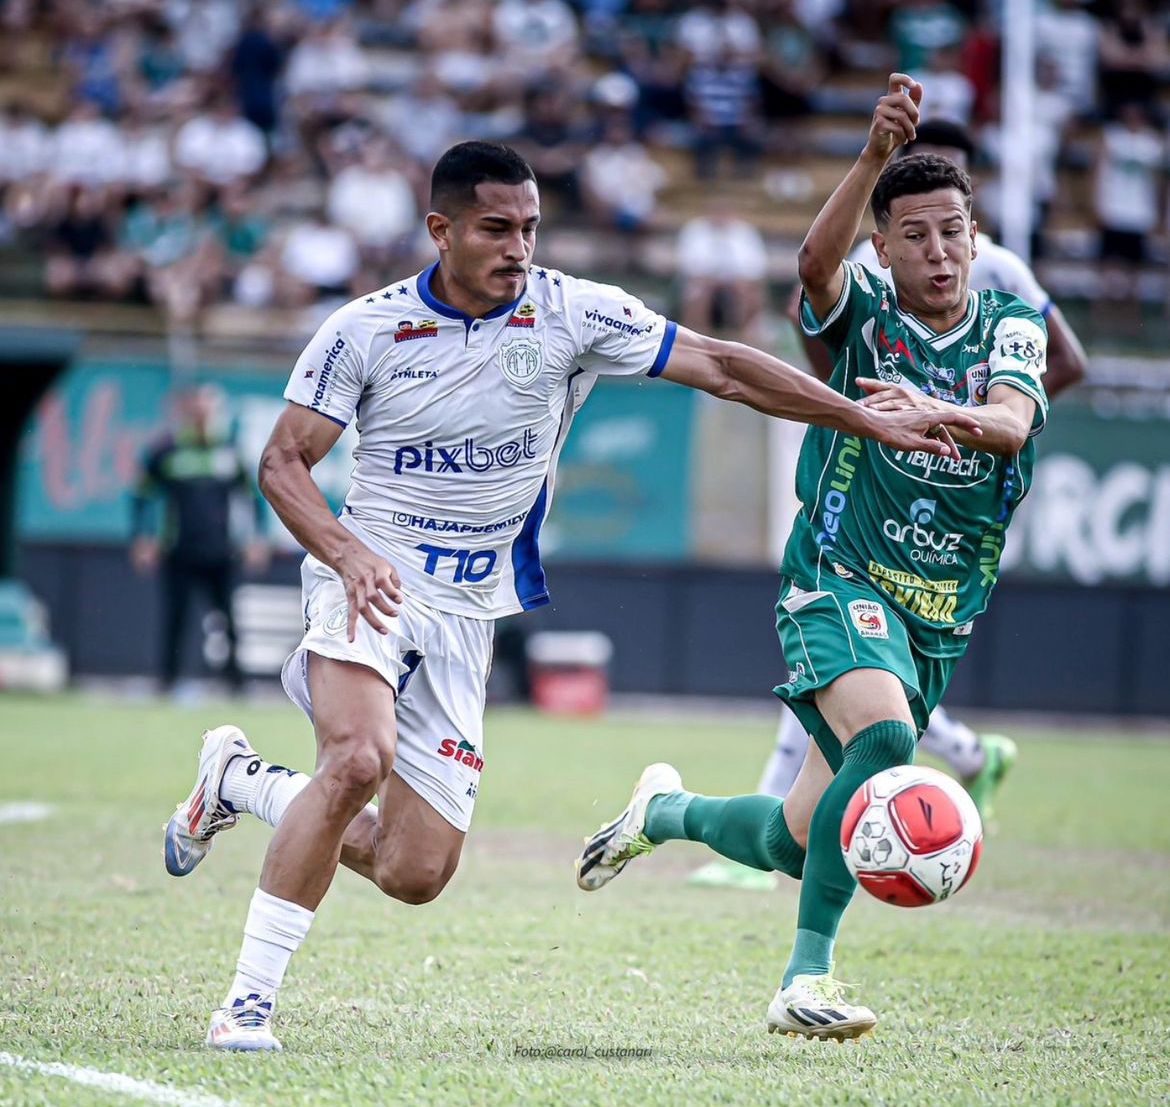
187,152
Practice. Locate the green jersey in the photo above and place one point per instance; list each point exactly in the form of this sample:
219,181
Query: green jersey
927,530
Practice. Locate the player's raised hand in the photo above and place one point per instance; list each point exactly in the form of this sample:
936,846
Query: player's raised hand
895,118
371,586
884,396
927,430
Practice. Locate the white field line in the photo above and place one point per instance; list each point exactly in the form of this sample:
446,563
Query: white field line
116,1083
24,812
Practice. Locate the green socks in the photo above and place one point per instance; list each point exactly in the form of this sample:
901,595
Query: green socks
828,887
747,829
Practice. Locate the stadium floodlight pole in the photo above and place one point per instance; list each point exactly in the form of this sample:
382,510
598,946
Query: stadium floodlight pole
1016,123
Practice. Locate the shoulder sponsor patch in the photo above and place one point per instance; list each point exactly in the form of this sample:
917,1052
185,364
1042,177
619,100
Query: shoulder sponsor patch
523,316
409,330
868,618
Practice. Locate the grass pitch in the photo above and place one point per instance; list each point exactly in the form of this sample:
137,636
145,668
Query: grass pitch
1045,982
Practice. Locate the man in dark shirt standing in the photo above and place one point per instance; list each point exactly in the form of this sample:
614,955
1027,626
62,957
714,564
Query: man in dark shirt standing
199,474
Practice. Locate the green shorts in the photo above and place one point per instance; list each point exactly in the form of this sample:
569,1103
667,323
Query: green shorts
844,626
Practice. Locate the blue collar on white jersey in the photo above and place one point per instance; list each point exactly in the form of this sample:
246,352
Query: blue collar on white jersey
428,298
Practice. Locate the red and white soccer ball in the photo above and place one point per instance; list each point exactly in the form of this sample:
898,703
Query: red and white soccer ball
912,836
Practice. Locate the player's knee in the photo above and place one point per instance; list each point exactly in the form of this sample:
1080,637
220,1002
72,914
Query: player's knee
354,772
417,882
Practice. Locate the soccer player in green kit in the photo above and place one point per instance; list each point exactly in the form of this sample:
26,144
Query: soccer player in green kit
893,554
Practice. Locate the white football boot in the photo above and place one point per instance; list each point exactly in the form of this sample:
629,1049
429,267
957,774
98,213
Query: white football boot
244,1027
202,814
814,1007
617,843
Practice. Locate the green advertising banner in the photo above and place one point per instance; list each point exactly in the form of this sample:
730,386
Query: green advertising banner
1099,508
621,488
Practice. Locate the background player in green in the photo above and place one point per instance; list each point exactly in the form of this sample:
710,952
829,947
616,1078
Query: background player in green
893,554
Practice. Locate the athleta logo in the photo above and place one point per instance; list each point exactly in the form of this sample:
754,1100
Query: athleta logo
425,328
326,372
467,456
463,752
596,319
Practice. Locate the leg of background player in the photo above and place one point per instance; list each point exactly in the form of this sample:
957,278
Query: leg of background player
980,761
780,773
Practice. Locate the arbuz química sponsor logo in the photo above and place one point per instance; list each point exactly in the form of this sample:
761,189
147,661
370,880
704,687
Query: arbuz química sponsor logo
928,546
467,456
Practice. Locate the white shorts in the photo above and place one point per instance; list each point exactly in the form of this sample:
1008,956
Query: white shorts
438,665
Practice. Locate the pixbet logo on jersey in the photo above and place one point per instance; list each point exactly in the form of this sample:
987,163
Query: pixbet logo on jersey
467,456
928,546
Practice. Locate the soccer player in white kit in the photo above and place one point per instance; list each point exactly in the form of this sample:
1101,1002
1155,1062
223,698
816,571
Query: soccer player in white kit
463,380
980,761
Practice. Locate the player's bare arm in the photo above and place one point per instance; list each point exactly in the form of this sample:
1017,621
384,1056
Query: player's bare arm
743,374
1067,361
834,230
299,440
1004,420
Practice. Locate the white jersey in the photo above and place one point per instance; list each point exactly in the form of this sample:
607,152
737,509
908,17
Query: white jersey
460,422
994,268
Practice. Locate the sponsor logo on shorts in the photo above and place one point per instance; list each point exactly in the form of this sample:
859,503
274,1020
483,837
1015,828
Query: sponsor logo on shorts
408,330
869,619
463,752
963,629
796,674
338,620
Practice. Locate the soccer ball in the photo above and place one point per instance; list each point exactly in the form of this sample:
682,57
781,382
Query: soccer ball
911,836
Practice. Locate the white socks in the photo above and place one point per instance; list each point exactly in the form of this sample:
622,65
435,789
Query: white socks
958,745
273,933
787,758
252,785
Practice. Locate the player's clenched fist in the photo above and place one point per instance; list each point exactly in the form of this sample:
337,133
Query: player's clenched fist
895,117
371,586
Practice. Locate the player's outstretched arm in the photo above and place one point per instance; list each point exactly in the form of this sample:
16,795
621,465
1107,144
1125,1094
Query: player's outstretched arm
299,440
1004,420
745,375
831,236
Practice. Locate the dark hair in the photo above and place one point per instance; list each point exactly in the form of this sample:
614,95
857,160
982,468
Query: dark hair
912,176
469,164
945,133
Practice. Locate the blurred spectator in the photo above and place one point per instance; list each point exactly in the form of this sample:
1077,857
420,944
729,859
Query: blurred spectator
95,61
26,143
949,91
1067,35
87,149
791,70
553,143
198,474
920,27
658,69
622,180
537,35
83,260
326,62
317,260
146,148
424,120
256,64
163,81
723,263
241,234
204,30
1133,56
718,29
1128,200
723,95
376,202
220,145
